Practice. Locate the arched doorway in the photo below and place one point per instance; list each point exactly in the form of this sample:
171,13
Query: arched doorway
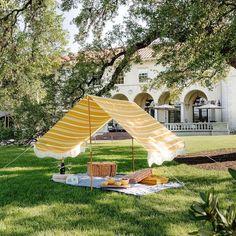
146,101
171,115
120,96
164,98
193,100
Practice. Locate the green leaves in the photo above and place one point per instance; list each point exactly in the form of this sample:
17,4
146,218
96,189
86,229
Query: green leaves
31,45
35,42
232,172
218,222
202,232
195,40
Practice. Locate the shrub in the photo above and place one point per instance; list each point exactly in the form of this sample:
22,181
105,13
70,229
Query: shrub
232,173
217,221
6,134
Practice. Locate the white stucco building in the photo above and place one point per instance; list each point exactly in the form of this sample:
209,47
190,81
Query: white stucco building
186,117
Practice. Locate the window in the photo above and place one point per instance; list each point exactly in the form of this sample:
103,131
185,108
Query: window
174,116
120,79
199,115
143,76
149,104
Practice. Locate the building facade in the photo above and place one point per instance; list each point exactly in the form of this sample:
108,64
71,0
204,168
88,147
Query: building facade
185,117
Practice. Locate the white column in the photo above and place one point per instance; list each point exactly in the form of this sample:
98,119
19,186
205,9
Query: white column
156,114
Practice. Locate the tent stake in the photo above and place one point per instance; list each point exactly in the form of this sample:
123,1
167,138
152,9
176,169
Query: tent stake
133,154
90,147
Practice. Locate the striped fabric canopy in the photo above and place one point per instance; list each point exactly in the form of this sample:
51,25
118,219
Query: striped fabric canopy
68,137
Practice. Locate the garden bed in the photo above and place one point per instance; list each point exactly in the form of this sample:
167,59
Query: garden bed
220,159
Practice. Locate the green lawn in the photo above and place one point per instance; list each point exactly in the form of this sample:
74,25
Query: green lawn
31,204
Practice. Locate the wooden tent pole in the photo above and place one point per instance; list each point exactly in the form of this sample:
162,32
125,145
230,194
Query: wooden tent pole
90,146
133,154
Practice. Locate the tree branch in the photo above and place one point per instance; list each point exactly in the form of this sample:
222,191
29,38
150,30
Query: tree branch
98,77
128,54
17,11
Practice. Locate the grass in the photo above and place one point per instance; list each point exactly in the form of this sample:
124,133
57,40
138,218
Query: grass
31,204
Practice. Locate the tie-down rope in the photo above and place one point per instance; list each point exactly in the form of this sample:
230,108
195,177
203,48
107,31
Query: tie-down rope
15,158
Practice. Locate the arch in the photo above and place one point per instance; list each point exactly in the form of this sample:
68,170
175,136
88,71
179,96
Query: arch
170,116
191,96
164,98
120,96
192,100
143,99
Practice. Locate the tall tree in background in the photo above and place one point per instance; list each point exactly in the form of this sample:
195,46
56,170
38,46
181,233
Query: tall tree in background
195,39
31,45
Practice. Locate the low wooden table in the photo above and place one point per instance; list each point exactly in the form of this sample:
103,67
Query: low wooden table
138,176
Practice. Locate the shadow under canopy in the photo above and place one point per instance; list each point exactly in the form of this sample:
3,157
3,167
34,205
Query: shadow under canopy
68,137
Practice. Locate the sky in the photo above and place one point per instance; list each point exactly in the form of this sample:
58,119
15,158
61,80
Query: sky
69,26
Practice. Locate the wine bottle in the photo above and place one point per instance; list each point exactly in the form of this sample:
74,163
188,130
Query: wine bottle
62,168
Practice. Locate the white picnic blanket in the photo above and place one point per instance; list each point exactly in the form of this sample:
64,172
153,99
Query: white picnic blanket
83,180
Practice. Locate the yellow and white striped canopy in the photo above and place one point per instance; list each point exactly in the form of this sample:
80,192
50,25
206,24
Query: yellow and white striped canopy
67,138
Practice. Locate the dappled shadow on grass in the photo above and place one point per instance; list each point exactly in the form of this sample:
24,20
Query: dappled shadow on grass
113,212
76,208
32,203
37,183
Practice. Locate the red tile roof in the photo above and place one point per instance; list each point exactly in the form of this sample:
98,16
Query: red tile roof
144,53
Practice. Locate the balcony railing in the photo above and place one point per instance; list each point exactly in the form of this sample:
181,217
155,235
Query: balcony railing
198,127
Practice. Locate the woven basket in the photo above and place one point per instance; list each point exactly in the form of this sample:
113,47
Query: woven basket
102,169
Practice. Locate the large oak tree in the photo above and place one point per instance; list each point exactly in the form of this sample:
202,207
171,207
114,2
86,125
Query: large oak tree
31,45
194,39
